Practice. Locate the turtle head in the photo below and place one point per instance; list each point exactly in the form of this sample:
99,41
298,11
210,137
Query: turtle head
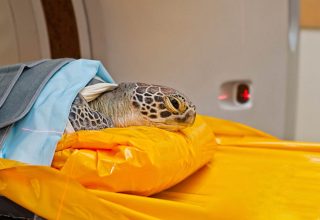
162,106
133,104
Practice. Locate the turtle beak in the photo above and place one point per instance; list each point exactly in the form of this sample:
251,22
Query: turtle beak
188,119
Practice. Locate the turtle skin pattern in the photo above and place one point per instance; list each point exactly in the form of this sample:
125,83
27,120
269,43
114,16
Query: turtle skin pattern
82,117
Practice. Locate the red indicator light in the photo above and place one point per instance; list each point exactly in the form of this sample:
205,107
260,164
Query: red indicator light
243,93
222,97
246,95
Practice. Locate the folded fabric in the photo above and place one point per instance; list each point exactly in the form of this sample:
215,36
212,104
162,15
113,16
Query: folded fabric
138,160
91,92
33,139
20,86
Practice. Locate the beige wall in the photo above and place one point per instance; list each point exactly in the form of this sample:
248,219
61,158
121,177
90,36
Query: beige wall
196,46
308,112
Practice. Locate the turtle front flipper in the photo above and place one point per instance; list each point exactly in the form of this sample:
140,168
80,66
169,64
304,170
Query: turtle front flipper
82,117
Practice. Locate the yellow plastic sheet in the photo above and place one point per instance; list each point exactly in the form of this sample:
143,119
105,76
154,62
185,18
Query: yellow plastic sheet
251,176
138,160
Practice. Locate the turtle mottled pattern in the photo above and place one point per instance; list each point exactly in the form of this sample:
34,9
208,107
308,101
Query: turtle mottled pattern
134,104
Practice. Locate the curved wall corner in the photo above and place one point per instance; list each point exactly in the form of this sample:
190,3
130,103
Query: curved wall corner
23,32
39,29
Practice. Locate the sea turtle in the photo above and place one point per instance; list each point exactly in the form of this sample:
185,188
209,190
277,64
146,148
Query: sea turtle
134,104
127,105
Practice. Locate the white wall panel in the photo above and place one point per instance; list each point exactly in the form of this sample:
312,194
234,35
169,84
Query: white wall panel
308,112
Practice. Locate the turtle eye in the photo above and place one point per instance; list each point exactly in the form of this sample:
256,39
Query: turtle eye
174,104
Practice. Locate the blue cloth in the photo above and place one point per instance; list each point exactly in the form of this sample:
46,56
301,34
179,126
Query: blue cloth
33,139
